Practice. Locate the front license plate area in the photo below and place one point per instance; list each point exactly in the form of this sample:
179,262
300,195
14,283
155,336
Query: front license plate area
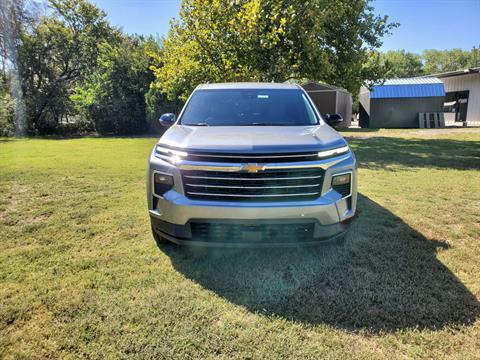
252,236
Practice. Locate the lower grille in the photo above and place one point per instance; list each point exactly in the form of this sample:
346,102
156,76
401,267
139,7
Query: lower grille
264,186
245,233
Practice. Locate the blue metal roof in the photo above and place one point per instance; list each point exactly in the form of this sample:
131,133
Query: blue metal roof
408,88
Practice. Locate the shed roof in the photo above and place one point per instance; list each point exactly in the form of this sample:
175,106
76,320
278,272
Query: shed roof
408,88
462,72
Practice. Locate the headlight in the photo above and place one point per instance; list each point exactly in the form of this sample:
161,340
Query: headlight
170,154
333,152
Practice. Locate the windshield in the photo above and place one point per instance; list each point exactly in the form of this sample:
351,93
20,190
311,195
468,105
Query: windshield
248,107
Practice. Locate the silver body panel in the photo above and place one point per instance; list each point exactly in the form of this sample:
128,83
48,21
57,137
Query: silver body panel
252,138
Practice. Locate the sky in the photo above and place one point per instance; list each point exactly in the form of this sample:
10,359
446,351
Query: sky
424,24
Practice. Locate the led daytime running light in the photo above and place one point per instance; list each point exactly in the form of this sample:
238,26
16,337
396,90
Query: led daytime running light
170,152
333,152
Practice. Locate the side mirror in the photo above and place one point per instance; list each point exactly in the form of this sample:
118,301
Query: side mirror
167,119
333,120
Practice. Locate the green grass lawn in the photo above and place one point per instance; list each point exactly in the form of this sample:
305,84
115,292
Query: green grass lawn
80,275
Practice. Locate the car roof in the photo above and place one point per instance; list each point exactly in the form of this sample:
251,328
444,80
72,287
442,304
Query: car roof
248,85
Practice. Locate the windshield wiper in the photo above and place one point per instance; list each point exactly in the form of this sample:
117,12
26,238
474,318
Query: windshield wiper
269,124
197,124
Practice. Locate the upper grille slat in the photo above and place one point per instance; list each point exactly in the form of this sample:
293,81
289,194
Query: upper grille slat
245,158
268,185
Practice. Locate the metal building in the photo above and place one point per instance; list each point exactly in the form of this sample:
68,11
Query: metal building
462,98
330,99
397,103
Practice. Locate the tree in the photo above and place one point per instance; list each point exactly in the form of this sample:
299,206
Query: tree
113,95
437,61
402,64
56,54
267,40
15,17
156,102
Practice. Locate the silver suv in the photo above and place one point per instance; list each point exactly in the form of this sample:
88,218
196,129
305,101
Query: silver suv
250,164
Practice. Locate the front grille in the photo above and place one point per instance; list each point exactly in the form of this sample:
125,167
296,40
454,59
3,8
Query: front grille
251,233
252,158
263,186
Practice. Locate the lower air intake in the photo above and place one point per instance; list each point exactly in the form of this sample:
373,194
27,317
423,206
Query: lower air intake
249,233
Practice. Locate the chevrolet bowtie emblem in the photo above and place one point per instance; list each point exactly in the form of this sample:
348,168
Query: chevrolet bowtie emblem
253,168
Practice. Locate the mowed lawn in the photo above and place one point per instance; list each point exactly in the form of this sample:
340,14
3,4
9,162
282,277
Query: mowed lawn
81,277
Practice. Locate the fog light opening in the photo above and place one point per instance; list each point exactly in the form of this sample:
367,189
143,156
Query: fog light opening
341,179
342,183
162,183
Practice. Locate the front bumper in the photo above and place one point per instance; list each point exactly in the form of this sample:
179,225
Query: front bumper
177,217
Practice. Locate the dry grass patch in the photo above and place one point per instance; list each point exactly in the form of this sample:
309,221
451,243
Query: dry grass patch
80,275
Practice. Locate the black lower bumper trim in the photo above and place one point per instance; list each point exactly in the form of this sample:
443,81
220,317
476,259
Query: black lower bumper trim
249,233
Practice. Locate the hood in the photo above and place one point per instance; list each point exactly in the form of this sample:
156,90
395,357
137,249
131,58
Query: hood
267,139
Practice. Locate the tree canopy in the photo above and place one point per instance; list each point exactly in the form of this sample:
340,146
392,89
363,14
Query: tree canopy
330,41
56,55
400,63
437,61
78,73
112,95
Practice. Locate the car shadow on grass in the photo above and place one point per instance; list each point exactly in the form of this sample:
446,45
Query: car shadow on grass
387,277
389,153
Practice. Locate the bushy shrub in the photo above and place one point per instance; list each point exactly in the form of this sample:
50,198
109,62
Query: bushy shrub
113,95
77,127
